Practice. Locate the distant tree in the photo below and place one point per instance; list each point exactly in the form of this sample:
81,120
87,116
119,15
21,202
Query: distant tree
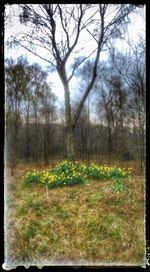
16,86
28,100
132,69
47,111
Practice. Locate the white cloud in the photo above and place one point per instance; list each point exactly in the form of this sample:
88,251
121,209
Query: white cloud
57,87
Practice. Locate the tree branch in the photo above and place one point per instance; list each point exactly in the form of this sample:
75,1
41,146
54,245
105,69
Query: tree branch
77,36
94,73
53,31
25,47
65,30
78,64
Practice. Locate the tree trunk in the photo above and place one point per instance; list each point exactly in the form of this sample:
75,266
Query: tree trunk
70,146
109,141
27,133
70,143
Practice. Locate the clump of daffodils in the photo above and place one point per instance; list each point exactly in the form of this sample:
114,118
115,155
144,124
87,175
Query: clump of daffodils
71,173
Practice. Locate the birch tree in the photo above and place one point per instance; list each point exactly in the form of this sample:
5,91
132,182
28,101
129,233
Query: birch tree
58,29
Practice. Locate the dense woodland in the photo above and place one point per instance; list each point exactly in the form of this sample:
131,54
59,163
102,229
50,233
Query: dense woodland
111,118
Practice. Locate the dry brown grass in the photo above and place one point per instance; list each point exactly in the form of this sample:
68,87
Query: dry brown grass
86,224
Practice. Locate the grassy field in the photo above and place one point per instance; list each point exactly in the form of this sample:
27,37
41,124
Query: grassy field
83,224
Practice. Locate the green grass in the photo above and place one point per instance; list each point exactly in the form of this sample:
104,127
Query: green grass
97,222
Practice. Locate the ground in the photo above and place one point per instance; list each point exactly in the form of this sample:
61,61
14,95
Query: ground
82,224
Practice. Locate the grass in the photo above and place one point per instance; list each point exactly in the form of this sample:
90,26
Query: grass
98,222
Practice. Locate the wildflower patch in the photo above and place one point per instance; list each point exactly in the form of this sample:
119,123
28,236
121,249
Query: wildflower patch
72,173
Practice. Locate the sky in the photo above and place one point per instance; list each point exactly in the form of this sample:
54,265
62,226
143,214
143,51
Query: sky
136,26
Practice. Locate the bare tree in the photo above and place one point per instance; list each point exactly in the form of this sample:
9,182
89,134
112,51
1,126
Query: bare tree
16,85
57,28
131,68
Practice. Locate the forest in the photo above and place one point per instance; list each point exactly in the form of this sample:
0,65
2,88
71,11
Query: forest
111,123
89,146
